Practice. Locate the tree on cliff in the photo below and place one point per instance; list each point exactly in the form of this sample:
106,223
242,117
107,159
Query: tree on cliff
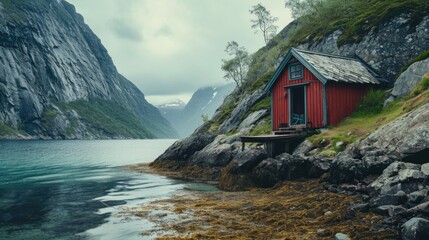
236,68
264,22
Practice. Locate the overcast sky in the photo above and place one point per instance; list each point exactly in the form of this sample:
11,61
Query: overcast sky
170,48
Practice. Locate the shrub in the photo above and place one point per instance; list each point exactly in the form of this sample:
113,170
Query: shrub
371,104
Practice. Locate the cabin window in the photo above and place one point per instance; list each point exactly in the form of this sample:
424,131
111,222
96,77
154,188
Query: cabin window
296,71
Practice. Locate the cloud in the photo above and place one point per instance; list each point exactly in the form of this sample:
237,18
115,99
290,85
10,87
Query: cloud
126,30
165,31
174,47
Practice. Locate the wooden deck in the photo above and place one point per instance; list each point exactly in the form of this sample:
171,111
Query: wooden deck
275,144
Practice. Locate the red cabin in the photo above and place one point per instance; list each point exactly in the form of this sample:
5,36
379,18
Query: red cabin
316,89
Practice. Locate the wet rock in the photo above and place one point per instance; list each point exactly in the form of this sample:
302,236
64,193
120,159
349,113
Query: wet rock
421,209
415,229
246,160
341,236
345,169
293,167
213,156
387,200
267,173
318,166
417,196
390,210
180,152
361,207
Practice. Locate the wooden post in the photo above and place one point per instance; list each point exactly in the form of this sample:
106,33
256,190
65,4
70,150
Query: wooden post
243,143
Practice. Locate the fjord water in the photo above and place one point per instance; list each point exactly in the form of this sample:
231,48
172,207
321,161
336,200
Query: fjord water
76,189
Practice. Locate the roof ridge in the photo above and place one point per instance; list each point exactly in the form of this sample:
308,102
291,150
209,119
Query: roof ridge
325,54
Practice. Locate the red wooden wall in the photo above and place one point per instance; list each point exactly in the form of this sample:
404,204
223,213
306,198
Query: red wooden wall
342,99
280,101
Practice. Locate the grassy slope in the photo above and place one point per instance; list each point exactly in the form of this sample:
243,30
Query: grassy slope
109,118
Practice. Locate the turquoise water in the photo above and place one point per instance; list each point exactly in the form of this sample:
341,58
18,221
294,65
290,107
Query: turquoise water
76,189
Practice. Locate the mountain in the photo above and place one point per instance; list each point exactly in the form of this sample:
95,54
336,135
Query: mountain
172,110
203,103
57,81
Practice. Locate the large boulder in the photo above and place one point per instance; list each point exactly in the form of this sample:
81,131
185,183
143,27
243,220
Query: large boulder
409,79
246,160
237,175
268,173
179,153
216,154
253,118
415,229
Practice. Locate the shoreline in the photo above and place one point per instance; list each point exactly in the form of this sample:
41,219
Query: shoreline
300,209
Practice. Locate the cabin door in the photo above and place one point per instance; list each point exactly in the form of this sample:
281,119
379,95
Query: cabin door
297,106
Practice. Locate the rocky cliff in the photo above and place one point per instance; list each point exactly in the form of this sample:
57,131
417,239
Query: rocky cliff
58,81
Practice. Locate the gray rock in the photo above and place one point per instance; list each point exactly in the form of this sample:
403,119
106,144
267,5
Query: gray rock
390,210
425,169
341,236
179,153
267,173
415,229
246,160
293,167
361,207
399,176
213,156
406,82
318,166
417,196
253,118
303,148
420,209
386,48
387,200
240,110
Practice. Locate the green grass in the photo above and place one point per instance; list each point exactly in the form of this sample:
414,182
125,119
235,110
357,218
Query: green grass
371,104
6,130
262,129
108,117
263,104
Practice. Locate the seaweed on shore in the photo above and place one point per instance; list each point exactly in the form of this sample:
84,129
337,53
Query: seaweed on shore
293,210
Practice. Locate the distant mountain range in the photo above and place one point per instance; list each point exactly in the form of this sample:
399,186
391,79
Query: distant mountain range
185,118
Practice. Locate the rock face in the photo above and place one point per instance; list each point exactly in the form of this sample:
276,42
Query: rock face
50,58
240,110
386,48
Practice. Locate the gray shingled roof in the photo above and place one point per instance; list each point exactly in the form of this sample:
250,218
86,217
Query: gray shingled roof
338,68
